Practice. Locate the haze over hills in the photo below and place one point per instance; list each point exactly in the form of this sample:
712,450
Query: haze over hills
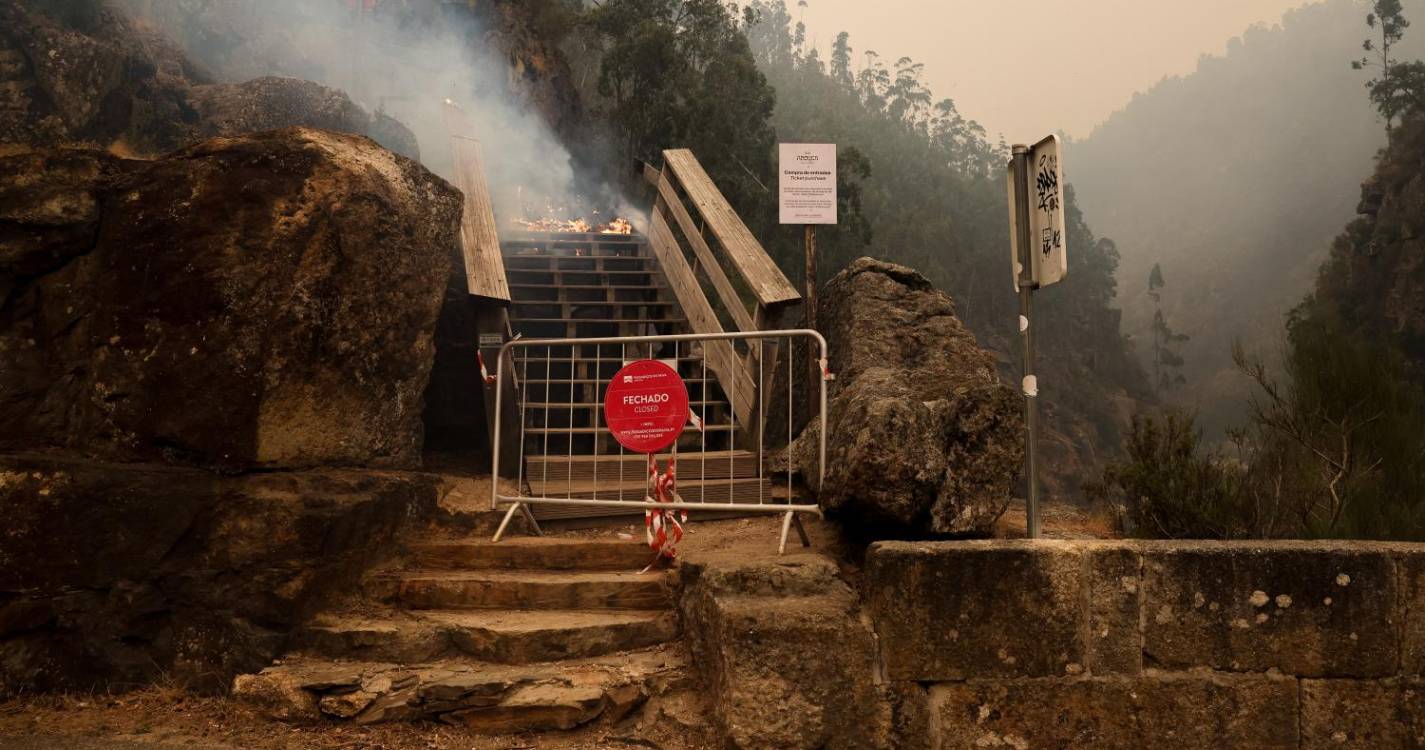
1235,179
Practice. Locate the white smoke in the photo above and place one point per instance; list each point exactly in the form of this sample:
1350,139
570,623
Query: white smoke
404,58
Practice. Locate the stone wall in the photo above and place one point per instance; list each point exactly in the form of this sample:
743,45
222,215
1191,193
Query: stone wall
1054,644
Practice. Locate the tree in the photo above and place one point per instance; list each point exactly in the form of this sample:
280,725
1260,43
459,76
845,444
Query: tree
1167,363
1387,18
841,59
680,73
1351,411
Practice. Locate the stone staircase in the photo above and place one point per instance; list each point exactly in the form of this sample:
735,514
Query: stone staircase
530,634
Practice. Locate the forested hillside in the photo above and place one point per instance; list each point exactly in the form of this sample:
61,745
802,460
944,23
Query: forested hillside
1233,180
927,190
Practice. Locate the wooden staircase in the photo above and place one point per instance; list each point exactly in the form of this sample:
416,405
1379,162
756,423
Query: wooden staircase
699,270
601,285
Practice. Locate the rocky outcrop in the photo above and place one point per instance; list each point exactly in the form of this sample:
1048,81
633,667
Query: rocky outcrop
1374,277
265,301
924,438
117,574
786,660
83,72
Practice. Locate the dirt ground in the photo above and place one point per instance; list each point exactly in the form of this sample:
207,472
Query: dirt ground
164,716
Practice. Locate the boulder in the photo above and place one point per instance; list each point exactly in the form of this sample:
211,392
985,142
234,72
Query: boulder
273,102
924,438
264,301
121,573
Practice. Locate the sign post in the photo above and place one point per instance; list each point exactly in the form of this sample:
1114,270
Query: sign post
1040,245
806,189
646,408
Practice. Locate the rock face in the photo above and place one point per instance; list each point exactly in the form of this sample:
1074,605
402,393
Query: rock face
924,437
787,662
120,573
81,71
266,301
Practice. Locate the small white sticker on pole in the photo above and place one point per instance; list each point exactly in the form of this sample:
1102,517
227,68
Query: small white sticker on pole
1031,386
1023,324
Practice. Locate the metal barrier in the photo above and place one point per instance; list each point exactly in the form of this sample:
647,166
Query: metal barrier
579,370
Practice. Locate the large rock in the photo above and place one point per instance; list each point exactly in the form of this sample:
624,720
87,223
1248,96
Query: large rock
261,301
83,71
274,102
121,573
924,438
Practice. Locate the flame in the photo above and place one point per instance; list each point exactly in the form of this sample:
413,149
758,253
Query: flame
619,225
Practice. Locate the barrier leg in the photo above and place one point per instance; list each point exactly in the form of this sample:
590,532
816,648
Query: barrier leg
801,530
529,518
786,527
504,524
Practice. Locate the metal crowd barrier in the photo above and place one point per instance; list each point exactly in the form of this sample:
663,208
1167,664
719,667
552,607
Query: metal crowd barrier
575,421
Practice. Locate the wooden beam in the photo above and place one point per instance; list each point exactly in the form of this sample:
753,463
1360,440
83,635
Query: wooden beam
721,356
766,280
724,287
479,239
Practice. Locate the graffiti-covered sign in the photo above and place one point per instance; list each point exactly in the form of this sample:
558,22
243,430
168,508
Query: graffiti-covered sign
1047,233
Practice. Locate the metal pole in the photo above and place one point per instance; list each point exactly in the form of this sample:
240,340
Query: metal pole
1029,385
809,235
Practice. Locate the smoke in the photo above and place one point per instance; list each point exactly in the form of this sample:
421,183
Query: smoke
401,58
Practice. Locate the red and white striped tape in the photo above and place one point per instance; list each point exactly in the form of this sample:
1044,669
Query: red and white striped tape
663,527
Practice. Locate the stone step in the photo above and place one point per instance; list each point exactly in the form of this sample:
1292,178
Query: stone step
532,553
502,637
521,589
486,698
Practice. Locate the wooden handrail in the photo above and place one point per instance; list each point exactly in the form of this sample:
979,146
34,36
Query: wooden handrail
479,240
767,282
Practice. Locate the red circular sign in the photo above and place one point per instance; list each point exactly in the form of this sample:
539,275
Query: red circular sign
646,406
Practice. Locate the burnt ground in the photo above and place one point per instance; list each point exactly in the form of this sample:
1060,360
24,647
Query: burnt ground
167,716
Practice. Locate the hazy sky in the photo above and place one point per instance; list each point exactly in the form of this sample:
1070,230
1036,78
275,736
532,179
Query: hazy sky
1082,58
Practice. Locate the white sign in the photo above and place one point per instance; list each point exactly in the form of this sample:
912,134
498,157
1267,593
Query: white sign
807,183
1048,237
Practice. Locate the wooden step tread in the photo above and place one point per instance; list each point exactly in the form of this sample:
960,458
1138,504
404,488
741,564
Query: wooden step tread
723,456
635,482
556,381
590,271
605,430
525,354
591,303
590,287
556,405
629,259
516,320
